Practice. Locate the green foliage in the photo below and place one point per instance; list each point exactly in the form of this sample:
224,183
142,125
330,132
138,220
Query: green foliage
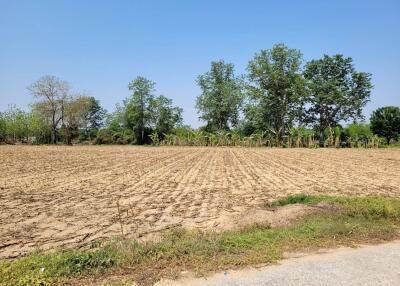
276,91
14,125
44,269
293,199
137,107
385,122
301,137
337,92
359,135
20,126
39,131
52,94
123,137
283,104
368,207
75,110
145,113
221,98
298,137
104,136
3,128
164,117
93,119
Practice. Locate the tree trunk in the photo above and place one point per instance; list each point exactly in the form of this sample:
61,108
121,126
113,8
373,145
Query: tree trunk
142,120
54,129
321,137
53,135
321,133
281,135
68,136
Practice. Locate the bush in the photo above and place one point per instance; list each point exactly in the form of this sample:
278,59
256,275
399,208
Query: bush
122,138
105,136
359,135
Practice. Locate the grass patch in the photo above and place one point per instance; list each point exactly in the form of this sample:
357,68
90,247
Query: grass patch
361,220
369,207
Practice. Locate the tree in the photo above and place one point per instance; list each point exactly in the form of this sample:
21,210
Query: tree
75,109
221,99
385,122
116,120
137,115
164,116
54,92
39,130
15,124
3,128
143,117
93,117
276,89
337,92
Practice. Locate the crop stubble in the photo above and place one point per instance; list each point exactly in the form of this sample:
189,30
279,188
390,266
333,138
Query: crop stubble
59,196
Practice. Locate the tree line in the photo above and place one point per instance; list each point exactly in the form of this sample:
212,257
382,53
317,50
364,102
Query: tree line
280,101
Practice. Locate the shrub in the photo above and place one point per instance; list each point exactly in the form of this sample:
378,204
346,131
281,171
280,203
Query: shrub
105,136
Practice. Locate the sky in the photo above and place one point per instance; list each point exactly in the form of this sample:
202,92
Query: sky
100,46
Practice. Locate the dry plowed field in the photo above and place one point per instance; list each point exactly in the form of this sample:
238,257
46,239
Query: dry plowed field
70,196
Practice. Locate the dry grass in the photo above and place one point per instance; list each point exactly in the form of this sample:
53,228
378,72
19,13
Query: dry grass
345,221
67,197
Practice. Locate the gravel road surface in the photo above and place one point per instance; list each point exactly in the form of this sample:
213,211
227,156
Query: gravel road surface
368,265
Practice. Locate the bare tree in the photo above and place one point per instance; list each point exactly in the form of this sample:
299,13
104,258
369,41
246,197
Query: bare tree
53,93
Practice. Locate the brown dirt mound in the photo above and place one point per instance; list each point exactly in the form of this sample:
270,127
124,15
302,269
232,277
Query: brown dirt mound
273,217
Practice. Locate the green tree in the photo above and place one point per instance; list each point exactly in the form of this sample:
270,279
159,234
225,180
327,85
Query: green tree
94,117
164,116
276,90
115,121
15,124
137,113
221,99
39,130
337,92
385,122
3,128
75,110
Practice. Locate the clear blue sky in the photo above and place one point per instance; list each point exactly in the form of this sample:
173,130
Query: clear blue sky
99,46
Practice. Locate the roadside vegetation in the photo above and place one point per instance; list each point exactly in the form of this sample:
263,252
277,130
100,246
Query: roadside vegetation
350,220
279,102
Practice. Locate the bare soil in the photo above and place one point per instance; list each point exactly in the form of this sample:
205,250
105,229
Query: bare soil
67,197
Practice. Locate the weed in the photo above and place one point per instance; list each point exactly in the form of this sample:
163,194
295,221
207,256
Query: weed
363,219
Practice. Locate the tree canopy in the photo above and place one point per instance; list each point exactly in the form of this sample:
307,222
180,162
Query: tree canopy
146,113
385,122
336,92
221,99
52,93
137,112
276,89
279,101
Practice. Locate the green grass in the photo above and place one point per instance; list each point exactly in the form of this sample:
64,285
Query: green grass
364,220
369,207
393,145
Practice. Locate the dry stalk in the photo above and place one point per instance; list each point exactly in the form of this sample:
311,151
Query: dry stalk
120,218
